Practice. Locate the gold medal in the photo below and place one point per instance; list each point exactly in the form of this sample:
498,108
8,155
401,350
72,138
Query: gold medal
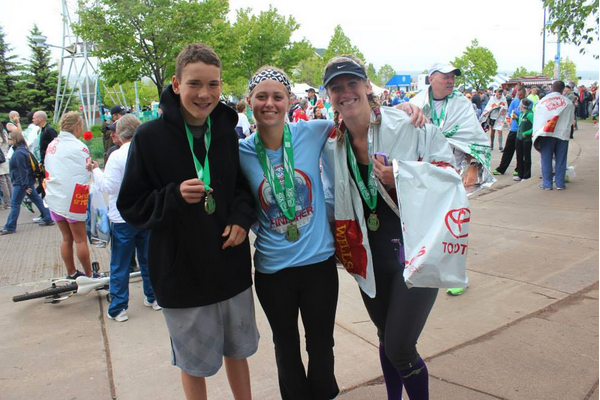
373,222
209,204
292,232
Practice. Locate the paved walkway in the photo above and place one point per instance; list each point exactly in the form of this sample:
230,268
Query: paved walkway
527,328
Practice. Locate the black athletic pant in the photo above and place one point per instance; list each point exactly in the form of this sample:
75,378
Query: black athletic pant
398,313
524,158
313,291
509,151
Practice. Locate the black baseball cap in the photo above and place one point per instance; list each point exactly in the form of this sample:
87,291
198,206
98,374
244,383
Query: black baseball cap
343,66
118,109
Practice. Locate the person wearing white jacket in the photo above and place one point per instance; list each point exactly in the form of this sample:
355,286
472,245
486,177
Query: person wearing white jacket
368,230
125,238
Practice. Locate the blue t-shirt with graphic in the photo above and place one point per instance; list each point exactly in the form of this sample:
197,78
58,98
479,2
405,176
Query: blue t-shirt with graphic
273,252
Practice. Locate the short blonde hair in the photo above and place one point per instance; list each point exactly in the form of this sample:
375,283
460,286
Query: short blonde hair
69,121
126,126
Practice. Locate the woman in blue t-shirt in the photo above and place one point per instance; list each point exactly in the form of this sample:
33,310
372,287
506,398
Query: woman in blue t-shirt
294,258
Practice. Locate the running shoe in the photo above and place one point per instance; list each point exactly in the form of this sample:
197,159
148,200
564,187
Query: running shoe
516,178
76,275
28,205
6,232
496,172
456,291
37,220
121,317
515,173
154,305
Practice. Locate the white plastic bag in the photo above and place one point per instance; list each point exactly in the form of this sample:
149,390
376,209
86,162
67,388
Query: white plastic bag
435,216
570,174
98,222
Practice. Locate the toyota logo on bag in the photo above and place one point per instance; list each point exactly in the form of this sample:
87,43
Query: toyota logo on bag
457,222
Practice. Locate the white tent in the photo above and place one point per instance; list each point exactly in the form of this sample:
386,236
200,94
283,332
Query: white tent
299,89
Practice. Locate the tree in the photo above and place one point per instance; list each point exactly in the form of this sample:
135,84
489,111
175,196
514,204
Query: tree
136,38
372,74
570,21
340,44
8,79
37,88
146,94
477,65
385,74
265,39
310,71
522,71
568,70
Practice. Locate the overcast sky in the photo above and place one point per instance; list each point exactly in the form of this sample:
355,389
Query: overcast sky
408,35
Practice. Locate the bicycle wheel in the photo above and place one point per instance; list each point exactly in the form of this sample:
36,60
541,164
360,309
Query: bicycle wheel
71,287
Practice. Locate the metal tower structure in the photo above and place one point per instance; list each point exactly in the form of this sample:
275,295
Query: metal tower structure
77,75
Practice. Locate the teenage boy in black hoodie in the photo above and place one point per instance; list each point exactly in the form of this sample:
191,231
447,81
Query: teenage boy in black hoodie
198,209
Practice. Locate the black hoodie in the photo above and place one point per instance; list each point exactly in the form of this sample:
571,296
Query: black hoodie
187,266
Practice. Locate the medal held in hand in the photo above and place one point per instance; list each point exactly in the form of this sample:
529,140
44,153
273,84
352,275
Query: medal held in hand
284,196
203,171
209,204
369,194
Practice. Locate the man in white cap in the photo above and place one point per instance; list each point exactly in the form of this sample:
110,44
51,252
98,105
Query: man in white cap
453,113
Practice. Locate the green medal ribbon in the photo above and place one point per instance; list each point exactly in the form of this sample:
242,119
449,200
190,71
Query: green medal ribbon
203,172
437,120
284,196
368,194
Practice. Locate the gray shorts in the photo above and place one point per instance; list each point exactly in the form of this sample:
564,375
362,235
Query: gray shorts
201,336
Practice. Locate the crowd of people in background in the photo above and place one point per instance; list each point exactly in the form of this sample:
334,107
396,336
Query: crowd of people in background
187,215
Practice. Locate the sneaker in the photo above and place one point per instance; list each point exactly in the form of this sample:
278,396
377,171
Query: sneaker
524,179
501,149
37,220
561,188
96,275
544,188
76,275
154,305
516,178
121,317
28,205
515,173
44,223
496,172
6,232
456,291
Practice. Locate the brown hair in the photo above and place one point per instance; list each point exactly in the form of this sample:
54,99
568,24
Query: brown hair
241,106
69,121
17,138
196,52
373,100
264,68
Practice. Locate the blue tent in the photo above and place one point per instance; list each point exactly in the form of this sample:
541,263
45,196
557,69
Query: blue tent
399,80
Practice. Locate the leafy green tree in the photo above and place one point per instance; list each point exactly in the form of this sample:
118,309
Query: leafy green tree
568,70
146,94
340,44
135,38
385,74
372,74
571,22
310,71
8,79
265,39
37,87
522,71
477,65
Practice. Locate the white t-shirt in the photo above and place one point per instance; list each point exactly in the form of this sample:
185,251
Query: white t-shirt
243,123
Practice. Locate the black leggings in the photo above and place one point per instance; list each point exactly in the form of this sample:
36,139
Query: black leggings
398,313
312,290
